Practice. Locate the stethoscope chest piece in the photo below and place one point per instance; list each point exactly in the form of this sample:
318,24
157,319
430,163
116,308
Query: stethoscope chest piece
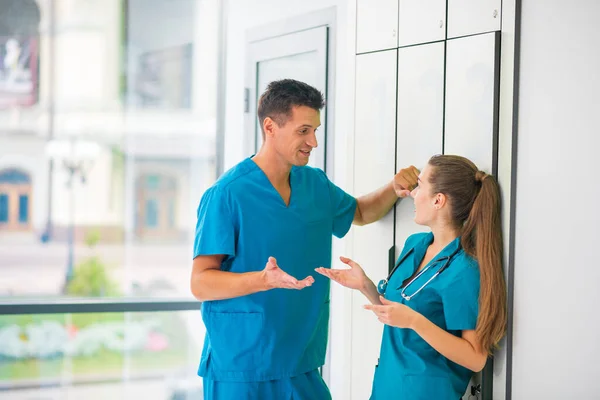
382,286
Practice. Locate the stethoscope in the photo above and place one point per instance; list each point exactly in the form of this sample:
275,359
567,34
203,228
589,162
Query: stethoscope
382,286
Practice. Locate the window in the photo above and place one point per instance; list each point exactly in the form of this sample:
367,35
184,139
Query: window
156,196
124,81
23,208
156,352
3,208
15,193
95,244
151,213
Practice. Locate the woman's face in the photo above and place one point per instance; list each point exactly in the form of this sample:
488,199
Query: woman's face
425,200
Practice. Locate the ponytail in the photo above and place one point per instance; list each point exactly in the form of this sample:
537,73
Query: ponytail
481,238
474,199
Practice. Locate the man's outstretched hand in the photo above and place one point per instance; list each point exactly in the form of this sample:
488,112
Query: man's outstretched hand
276,278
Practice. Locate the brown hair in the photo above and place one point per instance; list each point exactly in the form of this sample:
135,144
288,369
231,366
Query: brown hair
281,96
474,198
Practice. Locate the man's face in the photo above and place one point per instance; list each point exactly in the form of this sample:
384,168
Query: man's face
295,140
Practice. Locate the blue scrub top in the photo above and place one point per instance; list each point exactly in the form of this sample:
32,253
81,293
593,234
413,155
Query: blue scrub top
409,368
281,332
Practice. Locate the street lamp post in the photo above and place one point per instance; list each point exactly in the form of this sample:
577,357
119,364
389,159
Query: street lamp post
77,158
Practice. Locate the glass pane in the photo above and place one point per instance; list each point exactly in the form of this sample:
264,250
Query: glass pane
152,182
107,115
304,67
101,356
151,213
162,78
19,70
3,208
23,208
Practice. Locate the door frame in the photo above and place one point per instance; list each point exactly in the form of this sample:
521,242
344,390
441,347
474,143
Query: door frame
315,19
280,47
164,196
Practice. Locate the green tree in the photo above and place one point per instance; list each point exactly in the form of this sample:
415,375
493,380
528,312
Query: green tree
91,278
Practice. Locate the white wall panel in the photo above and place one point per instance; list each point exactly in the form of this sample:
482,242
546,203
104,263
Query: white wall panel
471,107
469,17
421,21
556,345
471,126
376,25
375,123
505,160
420,120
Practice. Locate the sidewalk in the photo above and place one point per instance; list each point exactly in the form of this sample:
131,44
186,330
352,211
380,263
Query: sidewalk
39,269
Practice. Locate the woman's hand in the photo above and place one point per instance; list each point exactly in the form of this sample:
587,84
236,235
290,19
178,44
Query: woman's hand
394,314
353,278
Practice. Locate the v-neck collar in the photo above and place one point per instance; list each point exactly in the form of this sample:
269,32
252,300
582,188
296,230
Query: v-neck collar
421,249
254,165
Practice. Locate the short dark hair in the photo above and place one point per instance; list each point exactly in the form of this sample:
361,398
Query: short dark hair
281,96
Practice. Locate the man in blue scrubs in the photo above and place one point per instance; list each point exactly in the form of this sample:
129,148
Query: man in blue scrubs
262,229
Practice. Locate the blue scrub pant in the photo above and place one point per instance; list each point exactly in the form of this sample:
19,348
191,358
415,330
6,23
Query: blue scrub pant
309,386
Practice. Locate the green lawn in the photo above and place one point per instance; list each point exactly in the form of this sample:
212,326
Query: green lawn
103,363
80,320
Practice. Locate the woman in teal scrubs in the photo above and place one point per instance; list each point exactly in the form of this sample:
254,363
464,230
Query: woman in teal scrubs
444,304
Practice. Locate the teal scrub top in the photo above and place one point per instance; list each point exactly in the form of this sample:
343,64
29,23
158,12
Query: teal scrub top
409,368
281,332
